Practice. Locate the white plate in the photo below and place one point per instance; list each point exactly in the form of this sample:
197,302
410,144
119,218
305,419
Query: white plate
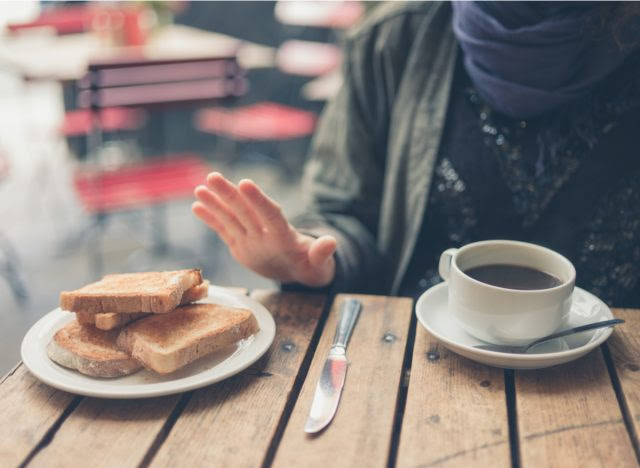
144,384
431,310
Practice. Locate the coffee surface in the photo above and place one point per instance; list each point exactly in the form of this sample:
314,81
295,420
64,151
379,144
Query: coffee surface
513,276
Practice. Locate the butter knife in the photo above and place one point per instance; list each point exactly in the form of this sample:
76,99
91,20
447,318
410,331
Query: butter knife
329,387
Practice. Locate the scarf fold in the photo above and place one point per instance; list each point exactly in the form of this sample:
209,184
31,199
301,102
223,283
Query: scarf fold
526,58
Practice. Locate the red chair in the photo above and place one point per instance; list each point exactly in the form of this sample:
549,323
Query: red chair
258,122
64,20
276,127
115,119
134,83
123,22
134,185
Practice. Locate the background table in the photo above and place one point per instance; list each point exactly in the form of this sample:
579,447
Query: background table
65,58
407,402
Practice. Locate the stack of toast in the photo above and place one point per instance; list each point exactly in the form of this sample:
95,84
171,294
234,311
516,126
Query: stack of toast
125,322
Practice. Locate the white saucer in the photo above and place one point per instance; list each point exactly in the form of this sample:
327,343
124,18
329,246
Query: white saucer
431,310
144,384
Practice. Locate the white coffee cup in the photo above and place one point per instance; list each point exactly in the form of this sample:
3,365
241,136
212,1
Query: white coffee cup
500,315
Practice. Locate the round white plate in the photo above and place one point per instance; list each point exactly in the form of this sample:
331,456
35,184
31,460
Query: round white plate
144,384
431,310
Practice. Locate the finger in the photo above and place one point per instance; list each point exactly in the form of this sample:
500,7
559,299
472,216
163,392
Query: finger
269,211
228,193
221,211
210,219
321,250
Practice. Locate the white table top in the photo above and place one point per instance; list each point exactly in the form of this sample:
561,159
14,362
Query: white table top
42,55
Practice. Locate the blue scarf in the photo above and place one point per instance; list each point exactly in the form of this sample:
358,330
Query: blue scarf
526,58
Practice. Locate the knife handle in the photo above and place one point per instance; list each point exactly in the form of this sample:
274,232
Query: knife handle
349,311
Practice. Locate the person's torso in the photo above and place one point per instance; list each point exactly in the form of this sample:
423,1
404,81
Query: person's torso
575,189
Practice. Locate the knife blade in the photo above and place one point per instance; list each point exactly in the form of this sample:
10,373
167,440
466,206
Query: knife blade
329,387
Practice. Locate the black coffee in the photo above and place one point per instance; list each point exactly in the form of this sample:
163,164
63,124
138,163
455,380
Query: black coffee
513,276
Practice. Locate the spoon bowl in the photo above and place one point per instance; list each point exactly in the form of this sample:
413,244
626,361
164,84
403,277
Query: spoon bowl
569,331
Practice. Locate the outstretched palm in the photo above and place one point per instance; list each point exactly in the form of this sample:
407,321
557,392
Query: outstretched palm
259,236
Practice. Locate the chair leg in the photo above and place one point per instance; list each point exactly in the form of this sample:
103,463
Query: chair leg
161,254
88,232
96,256
159,234
12,271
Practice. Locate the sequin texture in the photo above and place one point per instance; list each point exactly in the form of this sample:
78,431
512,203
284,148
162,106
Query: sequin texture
610,246
536,159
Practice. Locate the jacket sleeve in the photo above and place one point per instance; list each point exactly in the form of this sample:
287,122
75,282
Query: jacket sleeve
344,173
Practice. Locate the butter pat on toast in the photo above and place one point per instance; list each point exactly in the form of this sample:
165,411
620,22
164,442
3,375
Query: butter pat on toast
90,351
127,293
167,342
111,320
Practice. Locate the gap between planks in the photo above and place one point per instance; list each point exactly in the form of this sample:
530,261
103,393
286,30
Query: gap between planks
624,409
512,417
180,406
233,412
376,351
166,428
50,434
403,390
622,357
297,386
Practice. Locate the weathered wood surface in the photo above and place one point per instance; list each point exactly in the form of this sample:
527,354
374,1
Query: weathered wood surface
624,346
361,432
120,431
29,409
580,414
569,416
455,413
234,422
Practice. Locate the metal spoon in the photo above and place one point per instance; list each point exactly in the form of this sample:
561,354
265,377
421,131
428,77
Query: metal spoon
568,331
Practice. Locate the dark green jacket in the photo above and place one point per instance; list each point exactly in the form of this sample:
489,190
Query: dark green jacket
370,168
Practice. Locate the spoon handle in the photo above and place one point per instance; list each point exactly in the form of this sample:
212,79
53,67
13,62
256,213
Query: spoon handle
571,331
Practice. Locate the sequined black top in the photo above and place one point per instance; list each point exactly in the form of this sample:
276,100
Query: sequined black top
568,180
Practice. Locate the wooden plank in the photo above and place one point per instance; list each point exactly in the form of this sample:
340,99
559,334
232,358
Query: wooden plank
624,346
568,416
29,409
456,412
361,432
234,422
107,432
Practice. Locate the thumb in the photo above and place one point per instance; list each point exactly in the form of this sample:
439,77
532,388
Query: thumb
321,250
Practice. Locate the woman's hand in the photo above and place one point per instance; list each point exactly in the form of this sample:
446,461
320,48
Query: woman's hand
259,236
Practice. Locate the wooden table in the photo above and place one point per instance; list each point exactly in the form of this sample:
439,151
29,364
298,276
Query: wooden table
407,401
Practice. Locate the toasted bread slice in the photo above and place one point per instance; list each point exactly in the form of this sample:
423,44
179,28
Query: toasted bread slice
195,293
111,320
127,293
90,351
165,343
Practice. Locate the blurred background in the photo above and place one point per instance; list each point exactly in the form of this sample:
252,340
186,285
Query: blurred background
112,112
